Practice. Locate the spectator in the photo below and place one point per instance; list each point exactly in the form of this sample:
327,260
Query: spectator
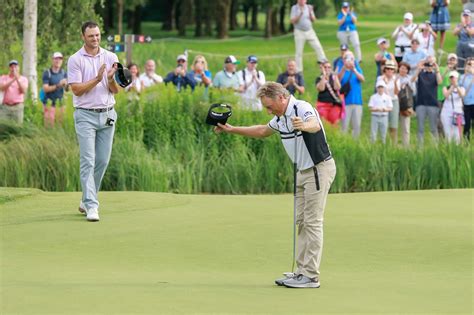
444,71
250,80
466,81
451,114
427,78
290,79
352,74
135,87
302,18
14,87
339,61
200,72
414,55
380,104
402,35
180,77
383,54
440,19
347,20
468,5
409,88
329,104
465,33
54,84
427,38
392,87
228,78
150,78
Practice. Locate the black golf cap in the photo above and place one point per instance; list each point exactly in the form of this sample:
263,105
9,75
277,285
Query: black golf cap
123,77
218,113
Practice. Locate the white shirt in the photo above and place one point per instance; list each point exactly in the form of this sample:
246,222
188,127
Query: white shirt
304,23
249,95
150,80
453,103
402,39
426,43
380,101
390,88
284,126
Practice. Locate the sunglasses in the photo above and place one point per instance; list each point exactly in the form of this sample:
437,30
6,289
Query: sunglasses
181,61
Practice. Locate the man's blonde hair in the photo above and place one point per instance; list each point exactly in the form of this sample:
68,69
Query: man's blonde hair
272,90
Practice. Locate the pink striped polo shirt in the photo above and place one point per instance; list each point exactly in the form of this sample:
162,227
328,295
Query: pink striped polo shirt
83,67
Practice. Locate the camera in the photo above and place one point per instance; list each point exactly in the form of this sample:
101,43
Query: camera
109,121
428,64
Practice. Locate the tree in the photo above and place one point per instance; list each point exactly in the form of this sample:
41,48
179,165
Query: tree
168,8
234,9
30,24
198,11
223,7
120,16
254,8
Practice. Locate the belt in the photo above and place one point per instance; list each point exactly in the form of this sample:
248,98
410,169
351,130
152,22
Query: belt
97,110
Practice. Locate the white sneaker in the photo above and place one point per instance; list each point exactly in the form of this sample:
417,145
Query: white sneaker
82,208
93,215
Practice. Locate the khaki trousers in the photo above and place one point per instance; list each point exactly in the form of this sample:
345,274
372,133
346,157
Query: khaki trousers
14,112
312,188
300,39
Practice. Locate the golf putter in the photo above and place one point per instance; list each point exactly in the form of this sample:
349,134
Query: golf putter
294,193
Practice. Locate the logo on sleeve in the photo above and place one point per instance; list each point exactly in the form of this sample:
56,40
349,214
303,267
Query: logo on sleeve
308,114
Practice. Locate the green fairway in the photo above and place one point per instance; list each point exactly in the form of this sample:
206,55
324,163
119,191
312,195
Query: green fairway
394,252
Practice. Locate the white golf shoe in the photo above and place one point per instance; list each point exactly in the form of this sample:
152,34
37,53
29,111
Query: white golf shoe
93,215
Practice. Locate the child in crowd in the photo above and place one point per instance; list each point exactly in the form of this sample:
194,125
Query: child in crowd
380,104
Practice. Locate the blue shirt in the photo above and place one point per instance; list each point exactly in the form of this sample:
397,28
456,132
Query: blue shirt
52,78
348,24
198,77
465,81
413,59
355,95
180,81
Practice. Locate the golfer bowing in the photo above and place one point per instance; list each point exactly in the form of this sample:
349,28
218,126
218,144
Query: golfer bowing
315,172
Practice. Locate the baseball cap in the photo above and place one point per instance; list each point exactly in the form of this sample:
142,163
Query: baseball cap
252,59
13,62
345,4
231,59
182,57
466,12
408,16
453,74
381,40
452,55
344,47
57,55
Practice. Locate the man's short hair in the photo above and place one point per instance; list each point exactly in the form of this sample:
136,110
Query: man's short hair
272,90
88,24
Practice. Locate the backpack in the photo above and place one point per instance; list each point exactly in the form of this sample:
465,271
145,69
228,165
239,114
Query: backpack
405,98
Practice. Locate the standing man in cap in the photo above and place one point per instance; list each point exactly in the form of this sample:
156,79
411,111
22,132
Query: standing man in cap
302,18
250,80
54,84
91,73
180,77
14,87
347,20
227,78
402,35
316,172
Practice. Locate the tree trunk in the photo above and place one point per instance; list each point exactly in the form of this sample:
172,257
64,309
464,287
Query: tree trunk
130,19
223,7
234,9
198,10
185,15
246,15
30,24
282,18
137,20
268,22
110,14
169,14
274,22
120,16
254,16
208,17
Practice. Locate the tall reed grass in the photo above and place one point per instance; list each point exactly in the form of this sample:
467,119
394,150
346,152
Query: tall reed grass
163,144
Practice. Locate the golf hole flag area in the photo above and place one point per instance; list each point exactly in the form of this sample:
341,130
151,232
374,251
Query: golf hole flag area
155,253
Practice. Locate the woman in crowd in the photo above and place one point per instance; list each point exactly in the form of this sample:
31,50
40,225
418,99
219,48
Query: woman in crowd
465,33
444,71
440,19
200,72
391,88
403,35
452,113
329,104
347,20
427,38
136,86
406,110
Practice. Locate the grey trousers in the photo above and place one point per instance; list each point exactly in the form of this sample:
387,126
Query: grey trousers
353,117
95,146
432,113
352,37
378,123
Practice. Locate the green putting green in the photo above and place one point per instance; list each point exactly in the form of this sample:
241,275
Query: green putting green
391,252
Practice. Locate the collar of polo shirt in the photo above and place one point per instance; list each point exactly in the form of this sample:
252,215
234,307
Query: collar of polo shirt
289,108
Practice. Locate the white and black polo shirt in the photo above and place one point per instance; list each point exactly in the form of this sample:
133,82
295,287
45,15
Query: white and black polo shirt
312,148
